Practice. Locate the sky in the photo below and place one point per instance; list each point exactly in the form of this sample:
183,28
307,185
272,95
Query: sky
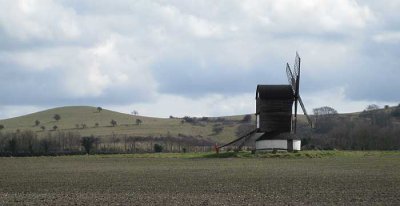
195,58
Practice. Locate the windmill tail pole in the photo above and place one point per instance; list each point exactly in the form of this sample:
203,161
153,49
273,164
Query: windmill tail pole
236,140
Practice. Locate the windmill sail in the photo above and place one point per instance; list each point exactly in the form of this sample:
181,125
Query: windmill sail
296,68
305,112
294,80
291,79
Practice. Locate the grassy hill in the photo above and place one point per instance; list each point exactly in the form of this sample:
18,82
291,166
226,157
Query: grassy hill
73,117
376,129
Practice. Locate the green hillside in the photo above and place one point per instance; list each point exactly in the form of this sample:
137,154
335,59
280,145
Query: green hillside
73,117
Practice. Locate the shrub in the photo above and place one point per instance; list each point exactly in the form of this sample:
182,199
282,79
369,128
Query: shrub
158,148
57,117
113,123
87,143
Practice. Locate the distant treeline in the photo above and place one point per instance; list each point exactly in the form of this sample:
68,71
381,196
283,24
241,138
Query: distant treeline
372,129
27,143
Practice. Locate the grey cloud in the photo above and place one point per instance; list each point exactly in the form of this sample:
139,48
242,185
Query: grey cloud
199,48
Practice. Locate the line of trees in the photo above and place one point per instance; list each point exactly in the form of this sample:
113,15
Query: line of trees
372,129
27,143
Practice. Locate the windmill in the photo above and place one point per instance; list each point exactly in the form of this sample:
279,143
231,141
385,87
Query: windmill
276,125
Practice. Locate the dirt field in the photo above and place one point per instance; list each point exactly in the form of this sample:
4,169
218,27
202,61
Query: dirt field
118,180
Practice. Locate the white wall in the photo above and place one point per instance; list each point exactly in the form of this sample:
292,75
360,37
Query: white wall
276,144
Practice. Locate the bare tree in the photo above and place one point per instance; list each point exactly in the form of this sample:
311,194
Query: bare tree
324,118
372,107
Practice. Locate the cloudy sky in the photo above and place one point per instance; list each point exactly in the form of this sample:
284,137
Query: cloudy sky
197,58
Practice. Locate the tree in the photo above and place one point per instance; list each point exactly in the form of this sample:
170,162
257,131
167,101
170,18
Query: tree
12,145
134,112
57,117
99,109
376,116
372,107
138,121
87,143
113,123
43,127
324,118
96,124
37,122
321,111
55,127
158,148
1,126
45,145
396,112
83,125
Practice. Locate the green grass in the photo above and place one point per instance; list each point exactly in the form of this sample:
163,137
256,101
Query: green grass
344,178
246,154
70,116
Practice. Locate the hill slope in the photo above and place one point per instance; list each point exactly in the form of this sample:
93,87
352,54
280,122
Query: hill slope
74,116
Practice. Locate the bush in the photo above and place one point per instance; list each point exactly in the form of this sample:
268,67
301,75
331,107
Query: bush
57,117
87,143
113,123
158,148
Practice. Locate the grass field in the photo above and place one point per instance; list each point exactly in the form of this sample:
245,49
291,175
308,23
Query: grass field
72,115
351,178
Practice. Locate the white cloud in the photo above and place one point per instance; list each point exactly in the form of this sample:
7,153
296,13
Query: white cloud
101,50
387,37
336,98
178,106
44,19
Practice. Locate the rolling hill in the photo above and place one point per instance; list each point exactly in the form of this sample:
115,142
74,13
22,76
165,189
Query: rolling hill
376,129
73,117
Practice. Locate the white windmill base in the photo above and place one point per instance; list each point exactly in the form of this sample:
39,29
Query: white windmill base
278,144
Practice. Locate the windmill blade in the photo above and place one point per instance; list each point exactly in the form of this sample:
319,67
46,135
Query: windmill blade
291,79
305,112
296,68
